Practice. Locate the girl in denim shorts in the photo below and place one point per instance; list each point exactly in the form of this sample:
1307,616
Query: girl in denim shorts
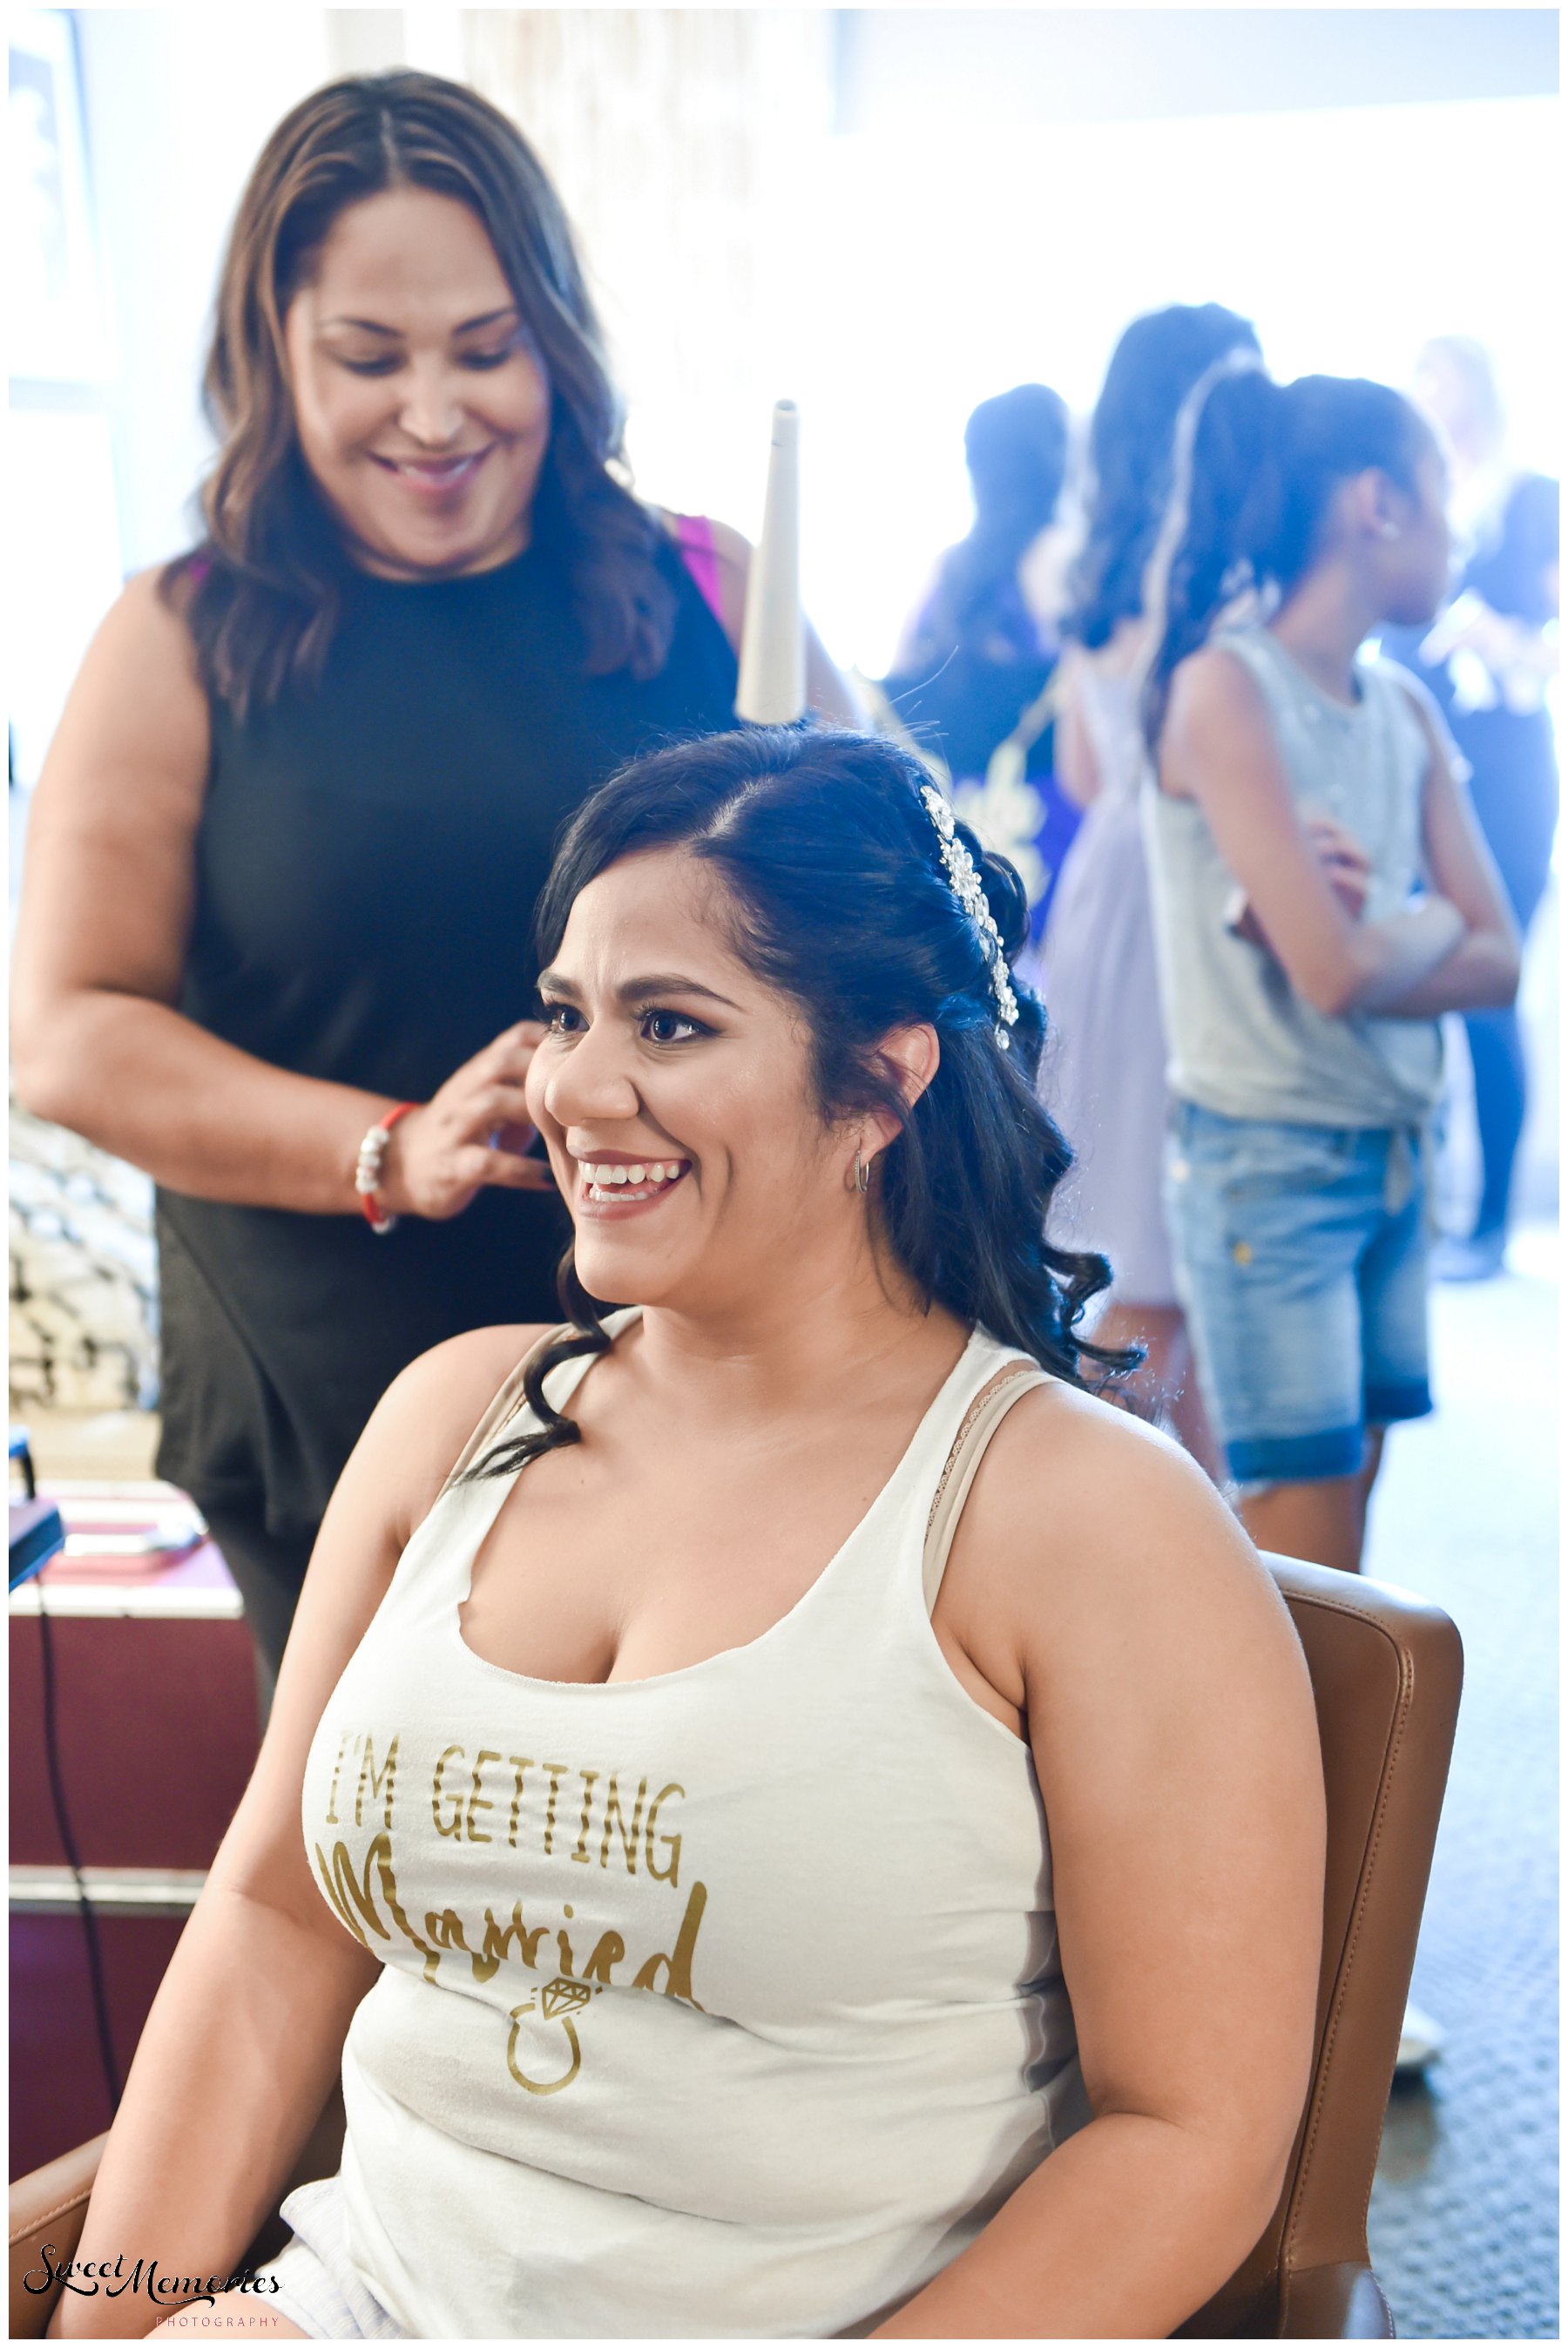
1321,894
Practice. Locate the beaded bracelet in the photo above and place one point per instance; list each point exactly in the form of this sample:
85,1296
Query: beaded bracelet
368,1167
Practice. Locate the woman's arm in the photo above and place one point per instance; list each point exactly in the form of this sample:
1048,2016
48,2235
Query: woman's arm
1172,1728
1482,971
1218,748
245,2036
829,692
106,908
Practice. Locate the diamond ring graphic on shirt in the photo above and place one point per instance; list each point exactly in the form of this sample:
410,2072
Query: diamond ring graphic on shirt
559,2000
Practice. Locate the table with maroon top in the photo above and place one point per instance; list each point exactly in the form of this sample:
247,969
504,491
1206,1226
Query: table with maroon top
156,1731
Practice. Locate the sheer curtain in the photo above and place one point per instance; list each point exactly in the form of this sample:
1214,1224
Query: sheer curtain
684,143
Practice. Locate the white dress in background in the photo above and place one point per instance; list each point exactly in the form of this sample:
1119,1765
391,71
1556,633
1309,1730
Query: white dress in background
1102,1076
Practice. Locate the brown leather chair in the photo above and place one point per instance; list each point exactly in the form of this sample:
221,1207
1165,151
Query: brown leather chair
1386,1671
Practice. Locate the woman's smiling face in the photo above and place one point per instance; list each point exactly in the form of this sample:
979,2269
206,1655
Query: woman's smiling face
422,410
673,1092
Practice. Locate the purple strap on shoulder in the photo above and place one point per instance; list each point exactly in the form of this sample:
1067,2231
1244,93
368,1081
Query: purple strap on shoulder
694,537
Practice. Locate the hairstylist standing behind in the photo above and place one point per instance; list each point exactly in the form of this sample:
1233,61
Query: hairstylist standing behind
284,860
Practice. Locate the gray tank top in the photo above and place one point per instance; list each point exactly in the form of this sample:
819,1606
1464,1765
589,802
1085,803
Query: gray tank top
1243,1043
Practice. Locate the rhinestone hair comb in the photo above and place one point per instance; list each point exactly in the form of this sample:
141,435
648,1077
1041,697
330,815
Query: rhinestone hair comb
969,891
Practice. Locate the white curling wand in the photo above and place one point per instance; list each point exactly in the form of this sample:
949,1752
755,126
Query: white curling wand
772,687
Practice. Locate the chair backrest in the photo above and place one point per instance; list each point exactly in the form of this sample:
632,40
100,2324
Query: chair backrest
1386,1672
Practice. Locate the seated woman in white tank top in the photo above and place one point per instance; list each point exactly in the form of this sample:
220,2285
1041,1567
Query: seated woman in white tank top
726,1921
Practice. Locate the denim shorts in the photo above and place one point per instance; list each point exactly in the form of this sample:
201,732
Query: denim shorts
1301,1263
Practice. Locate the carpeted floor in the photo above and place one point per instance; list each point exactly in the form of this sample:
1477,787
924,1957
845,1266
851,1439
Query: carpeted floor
1464,2221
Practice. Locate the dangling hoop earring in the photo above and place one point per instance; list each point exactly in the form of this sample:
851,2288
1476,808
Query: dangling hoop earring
862,1174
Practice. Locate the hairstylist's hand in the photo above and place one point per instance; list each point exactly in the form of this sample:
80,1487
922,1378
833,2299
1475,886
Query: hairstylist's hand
472,1133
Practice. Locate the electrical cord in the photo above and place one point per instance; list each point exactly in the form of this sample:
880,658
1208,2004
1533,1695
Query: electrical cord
95,1974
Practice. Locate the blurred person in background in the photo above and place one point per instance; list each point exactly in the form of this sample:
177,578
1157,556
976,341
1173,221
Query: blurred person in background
974,665
1104,1070
282,863
1322,894
1488,660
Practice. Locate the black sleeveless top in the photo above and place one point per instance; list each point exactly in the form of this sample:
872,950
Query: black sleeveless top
367,865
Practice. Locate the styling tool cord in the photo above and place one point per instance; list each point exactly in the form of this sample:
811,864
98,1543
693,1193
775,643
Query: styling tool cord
95,1974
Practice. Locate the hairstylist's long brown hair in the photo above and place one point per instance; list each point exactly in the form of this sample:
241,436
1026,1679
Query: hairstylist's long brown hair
261,593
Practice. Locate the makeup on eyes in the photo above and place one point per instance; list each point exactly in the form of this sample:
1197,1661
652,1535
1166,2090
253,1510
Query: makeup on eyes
639,1011
388,363
652,991
386,348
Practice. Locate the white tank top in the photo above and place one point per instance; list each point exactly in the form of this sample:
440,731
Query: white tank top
726,2003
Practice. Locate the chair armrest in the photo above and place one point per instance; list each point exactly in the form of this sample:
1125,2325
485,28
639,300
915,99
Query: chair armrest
51,2205
48,2207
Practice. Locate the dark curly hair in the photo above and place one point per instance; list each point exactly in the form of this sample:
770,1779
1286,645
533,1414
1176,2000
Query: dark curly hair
262,594
1152,368
841,901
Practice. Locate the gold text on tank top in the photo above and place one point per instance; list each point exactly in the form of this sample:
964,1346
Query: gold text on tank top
595,1818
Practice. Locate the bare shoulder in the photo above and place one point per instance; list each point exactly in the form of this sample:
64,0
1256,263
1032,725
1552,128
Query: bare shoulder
1421,703
1084,1522
476,1363
422,1422
147,619
137,716
1405,681
1068,1455
1215,682
413,1438
1216,713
